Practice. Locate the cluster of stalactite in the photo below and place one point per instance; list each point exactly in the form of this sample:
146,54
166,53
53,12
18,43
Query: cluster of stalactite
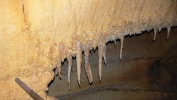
101,56
156,31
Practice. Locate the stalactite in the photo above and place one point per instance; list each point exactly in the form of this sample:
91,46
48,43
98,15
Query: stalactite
79,60
69,70
87,65
168,32
122,42
100,55
56,71
104,53
59,69
160,28
115,42
155,34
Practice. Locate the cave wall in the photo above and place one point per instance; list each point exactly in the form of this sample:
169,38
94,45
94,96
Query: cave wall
37,35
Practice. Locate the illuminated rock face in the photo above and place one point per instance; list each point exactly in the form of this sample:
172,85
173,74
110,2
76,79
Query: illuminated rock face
37,35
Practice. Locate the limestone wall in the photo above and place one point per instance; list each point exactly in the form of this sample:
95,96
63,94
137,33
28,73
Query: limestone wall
36,35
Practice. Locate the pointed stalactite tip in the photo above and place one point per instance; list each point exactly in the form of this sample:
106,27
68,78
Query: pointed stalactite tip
78,60
69,70
100,57
155,34
168,32
87,65
121,47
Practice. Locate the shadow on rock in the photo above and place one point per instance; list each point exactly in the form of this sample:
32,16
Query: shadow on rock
162,74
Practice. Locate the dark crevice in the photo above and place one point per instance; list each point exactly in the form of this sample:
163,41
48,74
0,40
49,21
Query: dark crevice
24,18
23,8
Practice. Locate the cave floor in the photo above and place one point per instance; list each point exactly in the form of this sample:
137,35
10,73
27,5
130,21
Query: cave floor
147,71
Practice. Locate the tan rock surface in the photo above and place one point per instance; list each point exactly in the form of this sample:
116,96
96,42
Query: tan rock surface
35,35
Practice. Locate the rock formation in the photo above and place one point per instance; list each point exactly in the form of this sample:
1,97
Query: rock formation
37,35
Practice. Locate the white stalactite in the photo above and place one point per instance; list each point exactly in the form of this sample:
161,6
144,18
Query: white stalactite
79,60
87,66
168,32
59,69
69,70
56,71
104,53
122,42
115,42
160,28
155,34
100,55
